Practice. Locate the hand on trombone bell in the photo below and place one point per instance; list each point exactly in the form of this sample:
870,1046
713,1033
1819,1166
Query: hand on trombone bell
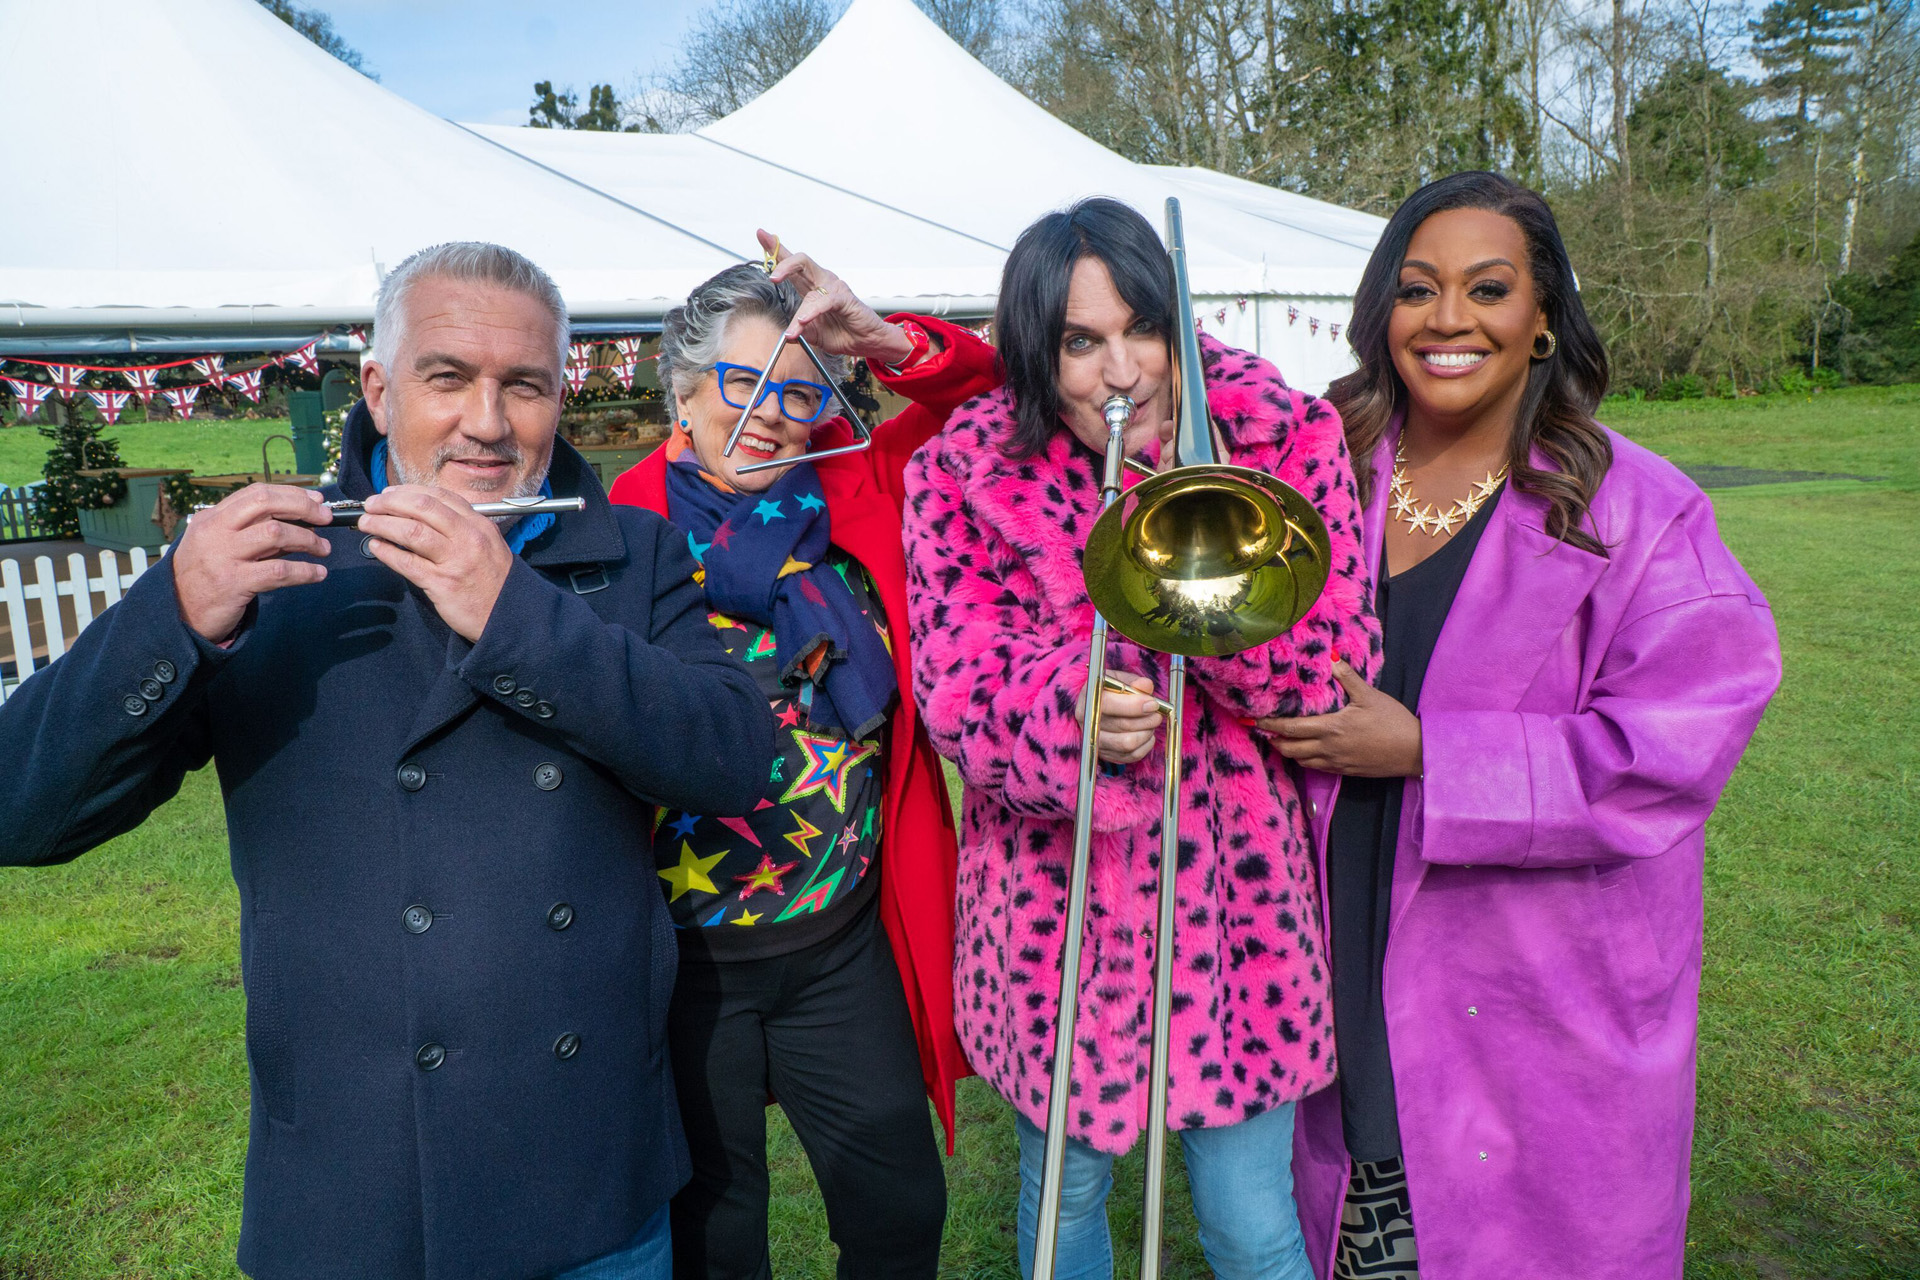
831,316
1129,722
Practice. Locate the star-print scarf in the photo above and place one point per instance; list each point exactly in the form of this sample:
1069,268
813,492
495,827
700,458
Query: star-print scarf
765,554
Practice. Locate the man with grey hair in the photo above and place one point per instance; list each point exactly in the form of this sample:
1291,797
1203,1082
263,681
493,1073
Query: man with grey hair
441,742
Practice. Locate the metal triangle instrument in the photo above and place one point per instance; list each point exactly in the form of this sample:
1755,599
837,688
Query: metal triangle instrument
852,415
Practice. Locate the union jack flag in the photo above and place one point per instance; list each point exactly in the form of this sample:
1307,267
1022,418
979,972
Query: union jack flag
1293,313
66,379
628,363
144,382
247,384
30,395
110,403
579,365
306,358
1313,325
1333,330
182,398
210,368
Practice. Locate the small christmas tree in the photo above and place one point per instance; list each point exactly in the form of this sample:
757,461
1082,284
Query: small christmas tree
77,447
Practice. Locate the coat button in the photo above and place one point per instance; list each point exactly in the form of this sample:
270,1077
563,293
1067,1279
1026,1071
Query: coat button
1483,1155
566,1046
1473,1011
559,916
429,1056
164,672
544,711
134,705
412,776
417,919
526,697
546,776
504,686
151,689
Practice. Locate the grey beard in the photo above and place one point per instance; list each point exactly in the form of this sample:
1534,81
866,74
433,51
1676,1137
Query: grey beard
509,453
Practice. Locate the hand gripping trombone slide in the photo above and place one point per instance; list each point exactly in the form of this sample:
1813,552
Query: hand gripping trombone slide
1201,559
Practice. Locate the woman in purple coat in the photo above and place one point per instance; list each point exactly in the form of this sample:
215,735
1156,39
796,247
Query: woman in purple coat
1510,819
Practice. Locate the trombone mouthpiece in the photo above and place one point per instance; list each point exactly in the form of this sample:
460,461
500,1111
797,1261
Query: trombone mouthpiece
1118,411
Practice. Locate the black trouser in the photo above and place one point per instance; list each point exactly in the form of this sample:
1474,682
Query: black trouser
826,1031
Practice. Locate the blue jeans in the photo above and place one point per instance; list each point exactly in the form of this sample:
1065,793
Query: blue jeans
648,1256
1241,1177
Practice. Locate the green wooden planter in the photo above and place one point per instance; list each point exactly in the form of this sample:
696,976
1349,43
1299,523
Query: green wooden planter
129,523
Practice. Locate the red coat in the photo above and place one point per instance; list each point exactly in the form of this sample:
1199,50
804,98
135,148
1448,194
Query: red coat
864,497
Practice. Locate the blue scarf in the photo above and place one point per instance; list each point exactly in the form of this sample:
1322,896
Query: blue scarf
746,542
519,533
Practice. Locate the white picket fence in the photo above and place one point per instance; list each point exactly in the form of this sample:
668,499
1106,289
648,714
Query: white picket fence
74,581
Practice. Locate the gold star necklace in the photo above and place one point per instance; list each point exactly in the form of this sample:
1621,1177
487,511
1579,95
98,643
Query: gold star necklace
1427,518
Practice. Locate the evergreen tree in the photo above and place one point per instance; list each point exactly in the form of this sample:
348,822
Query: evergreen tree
1802,46
77,447
1383,96
552,109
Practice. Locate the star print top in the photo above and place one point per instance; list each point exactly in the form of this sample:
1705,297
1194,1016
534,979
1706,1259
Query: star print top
795,870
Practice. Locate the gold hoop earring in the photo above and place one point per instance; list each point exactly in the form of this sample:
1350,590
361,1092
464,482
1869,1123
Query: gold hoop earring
1553,345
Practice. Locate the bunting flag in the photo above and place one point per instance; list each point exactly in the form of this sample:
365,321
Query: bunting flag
579,365
628,363
358,333
1333,331
110,403
306,359
1221,315
209,367
182,398
29,395
247,384
66,378
1313,325
1293,313
144,382
1241,303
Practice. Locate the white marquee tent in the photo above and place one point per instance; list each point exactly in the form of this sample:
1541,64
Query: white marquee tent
204,168
889,153
907,166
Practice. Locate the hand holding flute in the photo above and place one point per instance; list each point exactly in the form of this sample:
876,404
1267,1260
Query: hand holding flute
453,551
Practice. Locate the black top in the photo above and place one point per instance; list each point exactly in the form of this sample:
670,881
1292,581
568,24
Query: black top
1412,607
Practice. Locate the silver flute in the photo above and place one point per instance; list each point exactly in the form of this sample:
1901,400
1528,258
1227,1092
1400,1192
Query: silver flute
347,514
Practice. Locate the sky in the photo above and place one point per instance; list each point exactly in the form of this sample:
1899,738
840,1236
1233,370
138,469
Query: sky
478,60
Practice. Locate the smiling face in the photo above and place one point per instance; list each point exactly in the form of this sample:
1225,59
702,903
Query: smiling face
472,398
1106,350
769,432
1465,317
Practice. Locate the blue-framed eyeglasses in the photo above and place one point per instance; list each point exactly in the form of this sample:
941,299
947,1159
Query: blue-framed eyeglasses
799,400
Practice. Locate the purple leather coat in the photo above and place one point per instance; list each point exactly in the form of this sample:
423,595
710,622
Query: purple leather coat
1580,716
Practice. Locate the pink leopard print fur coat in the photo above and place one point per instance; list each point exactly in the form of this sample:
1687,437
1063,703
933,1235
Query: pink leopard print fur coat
1000,620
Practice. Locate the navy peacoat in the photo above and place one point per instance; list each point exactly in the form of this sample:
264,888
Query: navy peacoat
456,955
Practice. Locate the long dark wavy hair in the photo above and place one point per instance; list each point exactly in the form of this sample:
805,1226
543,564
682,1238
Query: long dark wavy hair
1032,313
1563,390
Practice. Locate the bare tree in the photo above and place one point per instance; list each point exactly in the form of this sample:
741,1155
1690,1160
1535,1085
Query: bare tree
1885,58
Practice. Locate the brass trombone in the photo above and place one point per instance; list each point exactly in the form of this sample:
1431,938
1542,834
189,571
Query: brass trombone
1201,559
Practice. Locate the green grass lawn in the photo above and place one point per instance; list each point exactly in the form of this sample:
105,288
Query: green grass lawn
123,1084
208,446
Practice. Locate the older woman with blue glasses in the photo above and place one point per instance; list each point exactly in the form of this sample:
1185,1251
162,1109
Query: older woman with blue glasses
816,935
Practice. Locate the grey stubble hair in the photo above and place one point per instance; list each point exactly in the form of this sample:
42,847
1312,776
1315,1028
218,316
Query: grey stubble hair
470,261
